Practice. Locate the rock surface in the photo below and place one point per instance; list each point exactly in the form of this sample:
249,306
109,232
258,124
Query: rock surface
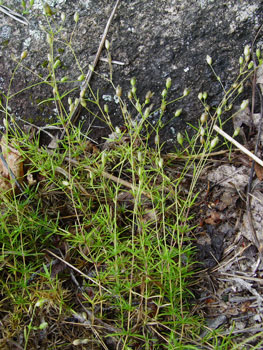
154,40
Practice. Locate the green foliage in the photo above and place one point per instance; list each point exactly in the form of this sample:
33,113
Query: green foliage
119,218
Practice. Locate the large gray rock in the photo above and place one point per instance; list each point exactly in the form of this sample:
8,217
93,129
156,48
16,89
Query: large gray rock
154,40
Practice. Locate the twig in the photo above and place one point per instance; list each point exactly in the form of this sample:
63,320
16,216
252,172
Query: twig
103,59
109,177
77,270
238,145
194,156
16,16
76,110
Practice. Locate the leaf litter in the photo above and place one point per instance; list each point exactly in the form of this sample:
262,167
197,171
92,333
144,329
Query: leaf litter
233,288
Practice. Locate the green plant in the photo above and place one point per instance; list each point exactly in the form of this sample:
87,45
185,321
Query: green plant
103,237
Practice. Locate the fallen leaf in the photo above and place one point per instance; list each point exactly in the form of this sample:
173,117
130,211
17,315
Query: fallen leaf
14,162
214,219
230,176
259,171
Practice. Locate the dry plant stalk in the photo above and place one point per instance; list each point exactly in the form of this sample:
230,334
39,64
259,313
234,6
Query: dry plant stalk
238,145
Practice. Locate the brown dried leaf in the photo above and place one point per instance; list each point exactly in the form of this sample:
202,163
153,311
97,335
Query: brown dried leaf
215,218
228,175
14,161
259,171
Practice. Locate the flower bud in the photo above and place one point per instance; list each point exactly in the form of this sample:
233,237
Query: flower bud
133,81
76,342
156,139
103,158
64,79
241,60
236,132
118,130
258,53
91,68
250,65
203,118
138,106
244,105
168,83
219,111
76,101
24,55
70,101
148,95
130,95
202,131
71,108
43,325
139,156
107,44
133,90
200,96
202,140
82,93
209,60
186,92
246,50
178,112
146,112
63,16
40,302
76,17
56,64
118,91
214,142
83,103
180,138
81,77
49,57
160,163
205,95
124,108
106,109
240,89
5,122
247,58
163,106
164,93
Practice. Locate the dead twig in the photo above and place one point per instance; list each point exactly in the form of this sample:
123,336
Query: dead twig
110,177
238,145
16,16
77,270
